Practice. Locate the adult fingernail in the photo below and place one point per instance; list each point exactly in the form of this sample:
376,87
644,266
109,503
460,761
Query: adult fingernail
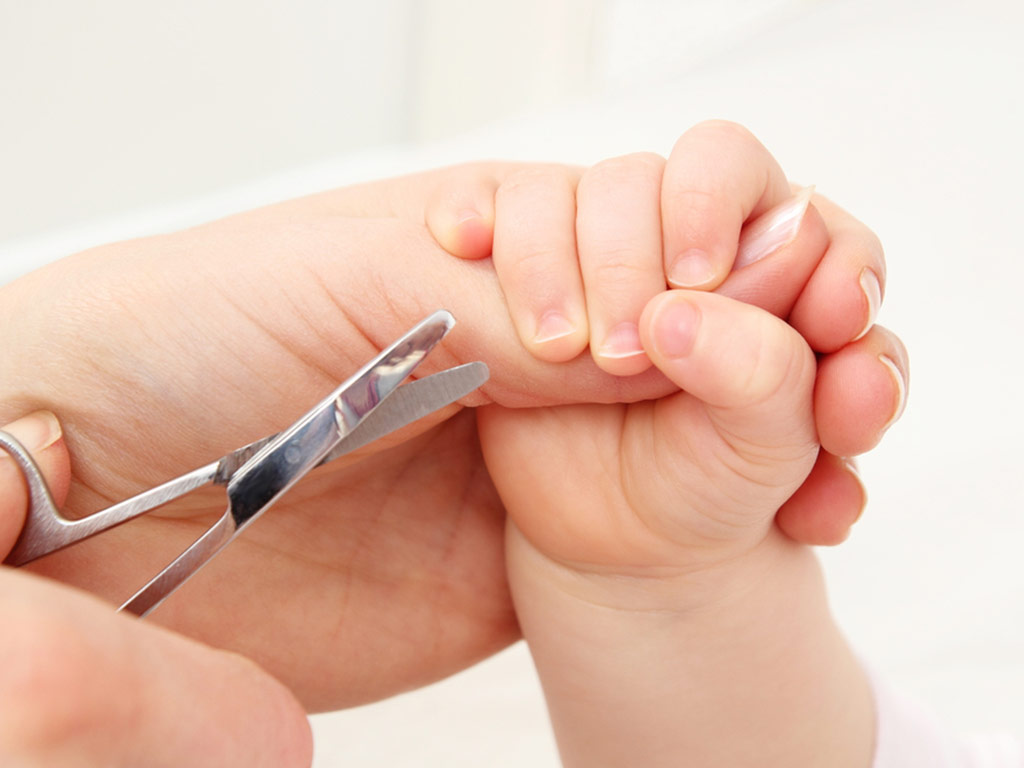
675,328
621,342
851,468
872,288
37,431
772,230
691,269
553,325
901,390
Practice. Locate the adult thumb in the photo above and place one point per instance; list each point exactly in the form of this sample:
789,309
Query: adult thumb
41,435
82,685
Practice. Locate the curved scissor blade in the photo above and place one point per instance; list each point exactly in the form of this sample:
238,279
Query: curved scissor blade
284,460
411,402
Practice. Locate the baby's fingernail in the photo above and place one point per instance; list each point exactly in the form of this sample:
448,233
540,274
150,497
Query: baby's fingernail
621,342
466,214
553,325
872,288
691,269
675,328
901,390
37,431
772,230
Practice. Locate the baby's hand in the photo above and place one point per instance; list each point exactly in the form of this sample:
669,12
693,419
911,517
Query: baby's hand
580,253
670,621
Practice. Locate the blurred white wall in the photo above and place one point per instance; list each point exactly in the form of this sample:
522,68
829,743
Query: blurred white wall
112,107
119,105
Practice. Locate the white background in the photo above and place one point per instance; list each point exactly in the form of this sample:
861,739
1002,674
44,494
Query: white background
119,118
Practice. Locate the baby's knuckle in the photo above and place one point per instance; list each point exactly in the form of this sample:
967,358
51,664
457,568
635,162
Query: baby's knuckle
729,130
624,170
620,264
538,263
529,179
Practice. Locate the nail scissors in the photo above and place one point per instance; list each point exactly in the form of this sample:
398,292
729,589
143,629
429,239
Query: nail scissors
370,404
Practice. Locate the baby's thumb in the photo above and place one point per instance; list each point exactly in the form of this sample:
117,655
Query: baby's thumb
752,373
40,434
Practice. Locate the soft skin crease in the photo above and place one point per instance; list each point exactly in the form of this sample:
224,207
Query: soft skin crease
158,355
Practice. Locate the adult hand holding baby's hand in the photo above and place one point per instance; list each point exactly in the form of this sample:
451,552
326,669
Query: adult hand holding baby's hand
587,249
159,355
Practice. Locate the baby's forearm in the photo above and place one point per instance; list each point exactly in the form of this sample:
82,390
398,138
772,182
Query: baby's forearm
741,667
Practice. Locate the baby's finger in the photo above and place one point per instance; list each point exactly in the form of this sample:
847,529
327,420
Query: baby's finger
460,212
618,231
535,258
826,506
752,372
861,391
841,300
40,434
717,176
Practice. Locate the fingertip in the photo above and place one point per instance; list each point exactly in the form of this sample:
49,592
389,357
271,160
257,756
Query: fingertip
717,176
861,392
472,236
622,352
825,508
730,355
697,269
671,322
773,275
842,298
557,338
871,294
40,433
460,213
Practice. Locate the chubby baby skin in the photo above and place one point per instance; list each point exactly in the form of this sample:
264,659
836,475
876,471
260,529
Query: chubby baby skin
671,618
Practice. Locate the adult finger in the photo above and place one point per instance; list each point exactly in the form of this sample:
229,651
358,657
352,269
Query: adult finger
778,252
40,434
841,299
82,685
459,211
823,509
860,392
718,175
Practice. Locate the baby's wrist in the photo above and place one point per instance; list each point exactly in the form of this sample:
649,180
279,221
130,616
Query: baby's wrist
681,667
668,589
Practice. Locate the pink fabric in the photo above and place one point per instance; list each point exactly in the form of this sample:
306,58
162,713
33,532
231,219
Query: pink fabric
911,737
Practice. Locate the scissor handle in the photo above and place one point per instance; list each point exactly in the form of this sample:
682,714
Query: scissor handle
42,511
46,530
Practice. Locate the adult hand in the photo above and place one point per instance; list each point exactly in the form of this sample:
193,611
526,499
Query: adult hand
81,685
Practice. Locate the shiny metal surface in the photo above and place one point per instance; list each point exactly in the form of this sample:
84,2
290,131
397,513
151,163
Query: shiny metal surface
46,530
370,404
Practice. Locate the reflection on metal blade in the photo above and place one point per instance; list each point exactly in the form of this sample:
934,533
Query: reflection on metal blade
413,401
